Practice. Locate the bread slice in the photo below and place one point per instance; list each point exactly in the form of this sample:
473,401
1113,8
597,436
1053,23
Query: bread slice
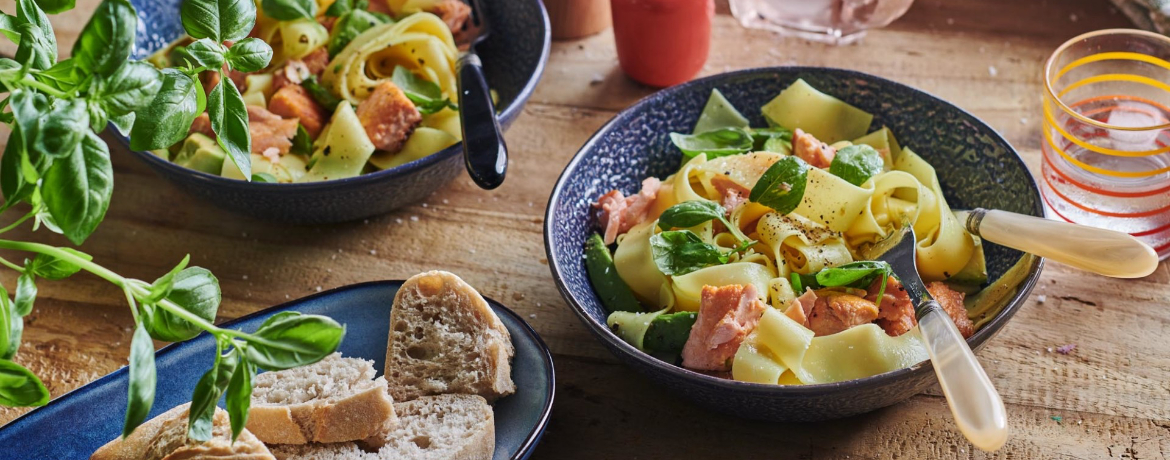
333,400
444,338
444,427
165,437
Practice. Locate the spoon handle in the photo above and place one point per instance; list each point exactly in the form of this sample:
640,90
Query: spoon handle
976,406
484,151
1098,250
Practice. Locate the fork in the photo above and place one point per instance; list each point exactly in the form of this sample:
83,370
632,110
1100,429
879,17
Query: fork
484,151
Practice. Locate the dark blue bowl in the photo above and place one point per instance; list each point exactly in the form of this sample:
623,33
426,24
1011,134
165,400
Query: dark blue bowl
976,166
77,423
513,61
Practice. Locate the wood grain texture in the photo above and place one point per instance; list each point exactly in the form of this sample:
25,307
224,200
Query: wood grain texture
1111,394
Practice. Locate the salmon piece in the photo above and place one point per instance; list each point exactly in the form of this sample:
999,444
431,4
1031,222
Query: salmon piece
621,213
802,306
952,301
896,311
388,117
295,102
812,150
733,194
270,131
240,79
455,14
836,311
380,6
727,314
327,22
208,79
202,125
317,61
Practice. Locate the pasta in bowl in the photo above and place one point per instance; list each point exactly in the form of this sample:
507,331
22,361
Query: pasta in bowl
736,271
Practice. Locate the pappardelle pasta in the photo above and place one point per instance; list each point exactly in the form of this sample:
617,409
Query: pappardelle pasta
366,85
749,261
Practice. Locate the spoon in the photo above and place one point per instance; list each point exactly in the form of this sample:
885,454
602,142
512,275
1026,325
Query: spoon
978,410
1101,251
484,151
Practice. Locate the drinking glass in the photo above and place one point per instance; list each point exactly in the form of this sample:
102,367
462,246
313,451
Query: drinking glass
829,21
1106,133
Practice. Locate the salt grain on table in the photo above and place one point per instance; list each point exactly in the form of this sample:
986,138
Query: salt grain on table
991,70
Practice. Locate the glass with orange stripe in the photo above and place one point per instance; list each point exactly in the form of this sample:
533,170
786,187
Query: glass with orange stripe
1106,143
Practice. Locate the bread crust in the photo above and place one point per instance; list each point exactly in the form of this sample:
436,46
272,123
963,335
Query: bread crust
171,426
356,417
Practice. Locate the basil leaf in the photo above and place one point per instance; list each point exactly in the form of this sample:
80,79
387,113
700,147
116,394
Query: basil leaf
107,39
349,26
689,214
426,95
28,107
219,20
124,124
142,380
249,55
38,44
289,10
339,8
98,118
61,75
264,178
134,85
856,163
19,387
229,121
205,53
82,184
320,94
62,129
291,340
717,143
193,289
681,251
12,179
782,185
56,6
7,350
26,294
239,397
168,117
207,392
163,285
9,24
52,268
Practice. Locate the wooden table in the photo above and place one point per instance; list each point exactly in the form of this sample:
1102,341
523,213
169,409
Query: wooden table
1109,398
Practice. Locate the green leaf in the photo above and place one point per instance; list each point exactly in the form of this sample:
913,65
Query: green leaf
9,24
56,6
142,380
290,10
302,143
38,44
250,54
320,94
341,7
717,143
62,129
689,214
82,184
856,274
207,392
26,294
7,350
107,39
292,340
168,117
349,26
856,163
163,285
229,121
681,251
124,124
782,185
28,107
195,290
205,53
61,75
98,118
264,178
219,20
12,179
425,94
19,387
777,145
239,397
52,268
761,137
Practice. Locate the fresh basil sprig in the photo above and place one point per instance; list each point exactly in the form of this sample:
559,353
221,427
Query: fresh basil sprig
56,163
678,252
716,143
856,163
425,94
691,213
289,10
353,18
858,274
782,186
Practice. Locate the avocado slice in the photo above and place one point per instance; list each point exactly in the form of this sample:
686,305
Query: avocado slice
826,117
719,113
200,153
615,295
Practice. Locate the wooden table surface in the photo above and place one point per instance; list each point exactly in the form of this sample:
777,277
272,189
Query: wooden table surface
1109,398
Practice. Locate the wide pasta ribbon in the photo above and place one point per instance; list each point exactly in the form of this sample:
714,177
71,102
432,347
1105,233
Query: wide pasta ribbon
421,43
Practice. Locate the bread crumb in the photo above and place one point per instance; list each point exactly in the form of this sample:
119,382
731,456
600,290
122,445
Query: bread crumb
246,278
1041,298
445,201
318,288
414,218
424,205
374,252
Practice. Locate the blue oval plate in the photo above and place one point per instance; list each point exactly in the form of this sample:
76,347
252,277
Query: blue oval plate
77,423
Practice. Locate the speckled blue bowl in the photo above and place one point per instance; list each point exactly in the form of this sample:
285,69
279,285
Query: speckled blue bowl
513,61
976,166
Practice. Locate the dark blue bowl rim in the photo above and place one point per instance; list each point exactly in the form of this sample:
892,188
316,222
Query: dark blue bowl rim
526,448
511,111
602,332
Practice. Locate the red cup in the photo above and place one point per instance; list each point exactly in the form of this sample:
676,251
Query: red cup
662,42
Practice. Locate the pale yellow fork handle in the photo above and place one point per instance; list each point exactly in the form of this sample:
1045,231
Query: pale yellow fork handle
1106,252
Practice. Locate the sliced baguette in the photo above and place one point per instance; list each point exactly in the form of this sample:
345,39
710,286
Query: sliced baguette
444,338
336,399
444,427
165,437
